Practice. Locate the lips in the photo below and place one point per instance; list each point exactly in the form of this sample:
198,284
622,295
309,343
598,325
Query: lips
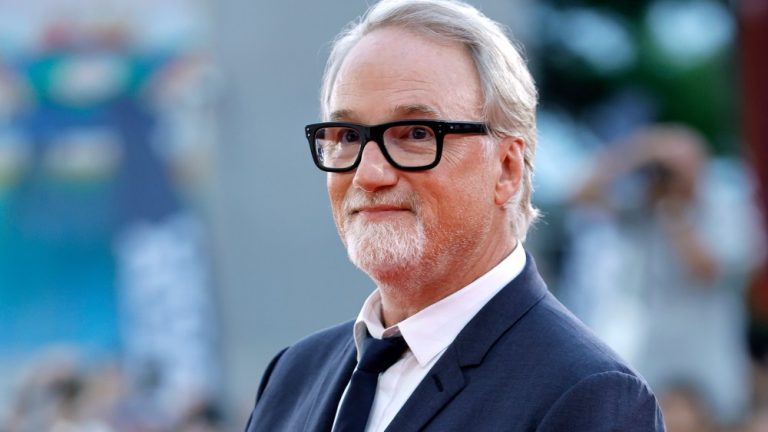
379,209
379,213
357,203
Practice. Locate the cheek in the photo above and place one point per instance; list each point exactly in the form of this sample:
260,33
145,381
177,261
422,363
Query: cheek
449,202
337,189
452,158
337,185
461,203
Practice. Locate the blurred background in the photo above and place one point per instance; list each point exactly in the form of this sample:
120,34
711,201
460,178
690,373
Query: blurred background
163,231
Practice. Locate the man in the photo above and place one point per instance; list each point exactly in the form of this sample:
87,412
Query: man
428,144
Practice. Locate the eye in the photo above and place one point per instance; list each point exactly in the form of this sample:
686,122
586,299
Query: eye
349,136
420,133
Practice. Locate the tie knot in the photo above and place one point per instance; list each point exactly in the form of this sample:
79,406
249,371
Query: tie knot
379,354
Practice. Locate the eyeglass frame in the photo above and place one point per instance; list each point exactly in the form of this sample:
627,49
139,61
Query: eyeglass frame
375,133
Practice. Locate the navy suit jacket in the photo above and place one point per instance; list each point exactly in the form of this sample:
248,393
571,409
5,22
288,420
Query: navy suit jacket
523,363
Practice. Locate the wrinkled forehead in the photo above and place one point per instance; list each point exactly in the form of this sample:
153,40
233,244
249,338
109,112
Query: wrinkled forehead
393,71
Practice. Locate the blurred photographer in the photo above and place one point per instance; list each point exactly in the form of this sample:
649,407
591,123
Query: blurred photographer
662,240
657,170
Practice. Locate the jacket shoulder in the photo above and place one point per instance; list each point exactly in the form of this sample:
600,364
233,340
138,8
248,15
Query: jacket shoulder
606,401
589,386
300,376
570,344
337,334
313,350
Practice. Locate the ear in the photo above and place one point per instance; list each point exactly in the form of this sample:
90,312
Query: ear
511,150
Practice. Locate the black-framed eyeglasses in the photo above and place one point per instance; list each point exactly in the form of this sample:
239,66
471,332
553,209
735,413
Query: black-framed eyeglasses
410,145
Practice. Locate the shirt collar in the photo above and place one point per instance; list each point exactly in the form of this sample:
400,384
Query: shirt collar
431,330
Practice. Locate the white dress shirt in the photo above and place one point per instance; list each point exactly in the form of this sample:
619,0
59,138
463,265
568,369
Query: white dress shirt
428,333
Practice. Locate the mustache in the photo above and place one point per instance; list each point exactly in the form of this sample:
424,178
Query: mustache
357,199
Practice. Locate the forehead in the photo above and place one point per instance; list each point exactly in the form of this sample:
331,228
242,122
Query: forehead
395,73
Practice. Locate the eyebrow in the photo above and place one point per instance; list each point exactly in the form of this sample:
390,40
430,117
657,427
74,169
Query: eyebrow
416,109
343,114
407,110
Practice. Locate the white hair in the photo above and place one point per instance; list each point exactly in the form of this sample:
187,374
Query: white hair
509,93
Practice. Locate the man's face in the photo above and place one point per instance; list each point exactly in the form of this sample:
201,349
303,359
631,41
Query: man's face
399,224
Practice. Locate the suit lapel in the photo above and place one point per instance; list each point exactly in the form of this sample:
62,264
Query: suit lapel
446,379
330,388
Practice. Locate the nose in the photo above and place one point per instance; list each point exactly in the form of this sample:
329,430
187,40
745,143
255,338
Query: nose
374,171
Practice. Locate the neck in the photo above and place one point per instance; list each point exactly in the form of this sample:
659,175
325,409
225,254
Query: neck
418,288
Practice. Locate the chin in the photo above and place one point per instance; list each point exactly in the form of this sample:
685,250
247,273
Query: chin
384,250
386,273
377,260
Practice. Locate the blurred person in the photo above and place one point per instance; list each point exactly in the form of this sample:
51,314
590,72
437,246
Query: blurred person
671,235
428,140
54,397
758,421
140,409
203,416
105,389
38,397
684,411
757,333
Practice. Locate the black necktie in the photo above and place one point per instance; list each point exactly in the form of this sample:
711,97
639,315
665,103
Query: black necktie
377,356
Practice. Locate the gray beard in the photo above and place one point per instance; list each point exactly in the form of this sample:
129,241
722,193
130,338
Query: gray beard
382,247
